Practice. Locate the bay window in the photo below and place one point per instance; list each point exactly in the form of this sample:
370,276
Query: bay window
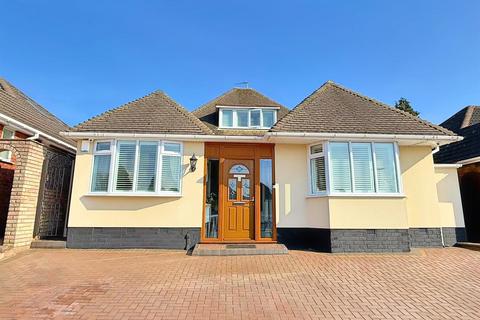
247,118
354,168
137,167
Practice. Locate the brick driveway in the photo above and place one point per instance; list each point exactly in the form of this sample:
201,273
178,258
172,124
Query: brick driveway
149,284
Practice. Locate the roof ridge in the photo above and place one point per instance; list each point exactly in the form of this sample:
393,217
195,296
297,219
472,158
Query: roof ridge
261,94
301,104
468,117
207,104
188,115
125,105
384,105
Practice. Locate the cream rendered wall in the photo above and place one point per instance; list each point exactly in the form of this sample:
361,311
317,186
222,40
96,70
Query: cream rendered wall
419,185
368,213
135,211
293,207
418,208
450,201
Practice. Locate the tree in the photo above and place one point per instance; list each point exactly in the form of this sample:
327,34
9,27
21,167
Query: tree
404,105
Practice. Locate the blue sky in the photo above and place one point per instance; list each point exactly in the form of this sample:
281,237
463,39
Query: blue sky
79,58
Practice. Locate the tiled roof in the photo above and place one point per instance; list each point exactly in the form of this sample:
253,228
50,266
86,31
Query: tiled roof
466,117
17,105
154,113
335,109
466,123
468,148
239,97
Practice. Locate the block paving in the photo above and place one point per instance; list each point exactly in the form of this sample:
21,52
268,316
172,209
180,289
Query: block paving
161,284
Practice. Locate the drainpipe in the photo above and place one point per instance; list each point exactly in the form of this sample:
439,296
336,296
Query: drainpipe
437,148
441,235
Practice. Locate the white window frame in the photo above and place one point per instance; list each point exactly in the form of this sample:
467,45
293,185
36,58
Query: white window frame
9,158
309,163
113,169
235,118
328,177
102,152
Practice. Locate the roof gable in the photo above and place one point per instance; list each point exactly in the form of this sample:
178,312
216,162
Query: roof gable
153,113
236,97
335,109
17,105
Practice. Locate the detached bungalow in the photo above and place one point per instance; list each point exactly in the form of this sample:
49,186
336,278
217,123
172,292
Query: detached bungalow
340,172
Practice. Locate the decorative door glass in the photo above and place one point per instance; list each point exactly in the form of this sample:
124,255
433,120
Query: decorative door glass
245,189
232,189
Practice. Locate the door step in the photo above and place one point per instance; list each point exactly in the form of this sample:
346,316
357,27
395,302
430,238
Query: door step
48,244
210,249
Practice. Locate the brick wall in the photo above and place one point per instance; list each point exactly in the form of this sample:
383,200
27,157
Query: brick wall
29,157
6,179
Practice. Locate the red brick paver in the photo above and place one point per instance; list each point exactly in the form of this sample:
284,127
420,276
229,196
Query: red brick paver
149,284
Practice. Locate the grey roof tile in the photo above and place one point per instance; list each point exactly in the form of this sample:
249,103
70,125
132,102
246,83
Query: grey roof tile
154,113
335,109
468,148
466,123
17,105
466,117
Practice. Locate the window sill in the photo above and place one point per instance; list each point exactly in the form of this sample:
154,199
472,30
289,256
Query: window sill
154,195
357,195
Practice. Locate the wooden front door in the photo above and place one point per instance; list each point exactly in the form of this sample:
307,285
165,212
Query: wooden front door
239,202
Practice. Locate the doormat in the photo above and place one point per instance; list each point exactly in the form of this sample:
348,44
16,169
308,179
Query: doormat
240,246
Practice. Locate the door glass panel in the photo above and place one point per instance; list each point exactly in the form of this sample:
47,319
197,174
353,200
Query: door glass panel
266,198
211,205
232,189
246,189
239,169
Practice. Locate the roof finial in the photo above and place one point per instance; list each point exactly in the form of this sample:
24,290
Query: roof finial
243,83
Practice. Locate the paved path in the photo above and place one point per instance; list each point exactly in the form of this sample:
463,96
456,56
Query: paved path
149,284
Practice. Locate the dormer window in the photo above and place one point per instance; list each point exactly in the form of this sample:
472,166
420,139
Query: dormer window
247,118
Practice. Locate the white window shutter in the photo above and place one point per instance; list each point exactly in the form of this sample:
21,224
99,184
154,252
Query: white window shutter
363,167
386,168
171,173
147,166
125,165
340,167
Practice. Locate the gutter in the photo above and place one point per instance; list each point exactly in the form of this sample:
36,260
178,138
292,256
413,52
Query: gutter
448,165
469,161
265,138
185,137
36,133
373,136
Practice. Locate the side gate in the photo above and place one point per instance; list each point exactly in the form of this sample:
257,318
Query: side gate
54,196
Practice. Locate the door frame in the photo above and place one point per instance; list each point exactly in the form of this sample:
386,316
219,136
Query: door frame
247,204
239,151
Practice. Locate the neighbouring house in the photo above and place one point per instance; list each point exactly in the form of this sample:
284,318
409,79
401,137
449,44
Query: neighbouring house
36,165
466,155
340,172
